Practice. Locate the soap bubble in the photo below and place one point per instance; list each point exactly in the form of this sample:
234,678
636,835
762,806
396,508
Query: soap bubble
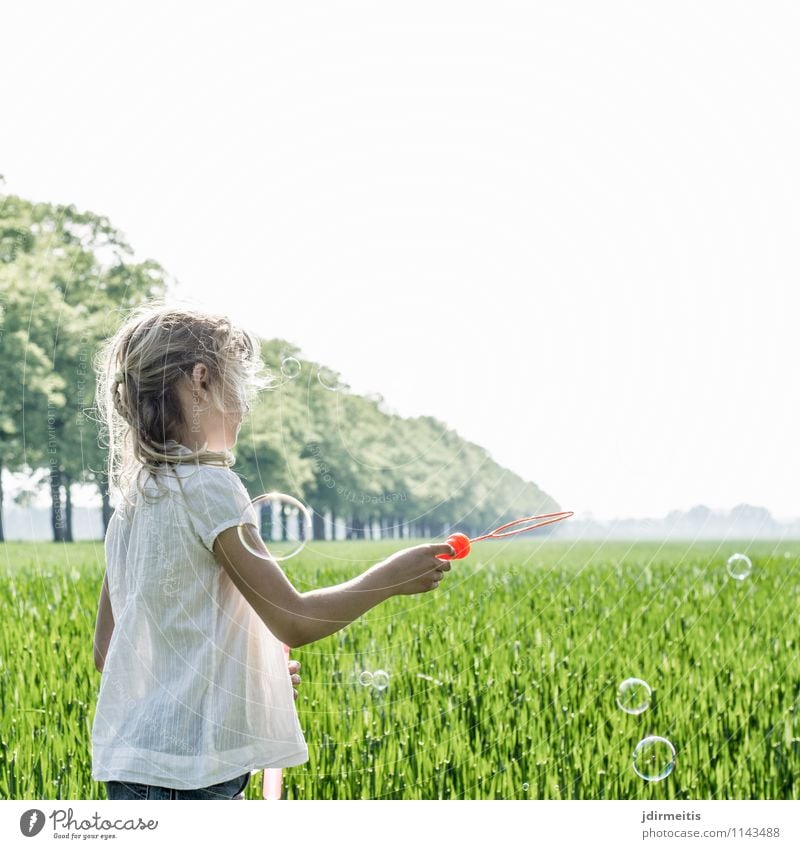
365,679
380,679
739,566
653,758
275,523
526,786
633,695
290,367
328,379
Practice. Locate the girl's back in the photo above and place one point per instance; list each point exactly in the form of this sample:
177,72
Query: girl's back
194,687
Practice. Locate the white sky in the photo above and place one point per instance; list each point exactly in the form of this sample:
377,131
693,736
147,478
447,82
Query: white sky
567,230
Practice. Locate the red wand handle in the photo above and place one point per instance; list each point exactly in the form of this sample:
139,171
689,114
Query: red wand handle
461,546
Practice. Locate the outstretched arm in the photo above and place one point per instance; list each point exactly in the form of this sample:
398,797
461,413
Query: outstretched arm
299,618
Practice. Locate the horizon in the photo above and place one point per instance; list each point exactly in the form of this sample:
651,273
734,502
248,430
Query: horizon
86,495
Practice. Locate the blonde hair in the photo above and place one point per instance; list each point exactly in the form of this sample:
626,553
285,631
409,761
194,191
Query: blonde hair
138,370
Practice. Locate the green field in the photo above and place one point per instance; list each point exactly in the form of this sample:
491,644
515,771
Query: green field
525,643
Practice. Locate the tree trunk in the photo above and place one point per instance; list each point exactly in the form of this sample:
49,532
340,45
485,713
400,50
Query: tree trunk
68,508
284,534
56,508
333,524
317,525
266,521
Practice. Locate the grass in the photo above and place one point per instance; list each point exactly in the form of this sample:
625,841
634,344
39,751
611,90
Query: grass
522,648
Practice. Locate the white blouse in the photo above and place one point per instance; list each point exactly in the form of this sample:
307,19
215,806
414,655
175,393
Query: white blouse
195,688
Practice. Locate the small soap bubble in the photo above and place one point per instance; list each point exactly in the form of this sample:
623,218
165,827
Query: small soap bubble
633,695
380,679
526,786
328,379
739,566
290,367
653,758
365,679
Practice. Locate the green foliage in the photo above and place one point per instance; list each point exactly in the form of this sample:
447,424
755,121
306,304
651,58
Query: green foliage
522,648
343,452
65,275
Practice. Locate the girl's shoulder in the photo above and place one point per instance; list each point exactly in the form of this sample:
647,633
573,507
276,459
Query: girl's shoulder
201,486
210,481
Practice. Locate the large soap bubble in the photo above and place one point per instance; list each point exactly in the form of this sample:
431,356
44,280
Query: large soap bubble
275,525
653,758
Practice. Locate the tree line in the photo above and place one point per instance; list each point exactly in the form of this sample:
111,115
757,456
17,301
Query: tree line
68,277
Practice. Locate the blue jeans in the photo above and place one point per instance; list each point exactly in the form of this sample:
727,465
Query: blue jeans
233,788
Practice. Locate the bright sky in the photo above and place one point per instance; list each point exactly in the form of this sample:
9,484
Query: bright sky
567,230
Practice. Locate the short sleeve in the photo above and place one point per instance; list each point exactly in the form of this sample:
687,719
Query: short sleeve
217,500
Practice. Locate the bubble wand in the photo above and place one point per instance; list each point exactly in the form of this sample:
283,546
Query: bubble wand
462,544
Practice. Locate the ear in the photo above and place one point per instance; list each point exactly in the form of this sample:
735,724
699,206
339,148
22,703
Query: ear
199,376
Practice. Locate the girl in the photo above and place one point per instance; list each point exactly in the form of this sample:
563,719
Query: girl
195,694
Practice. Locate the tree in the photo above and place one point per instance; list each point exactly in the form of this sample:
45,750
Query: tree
71,275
